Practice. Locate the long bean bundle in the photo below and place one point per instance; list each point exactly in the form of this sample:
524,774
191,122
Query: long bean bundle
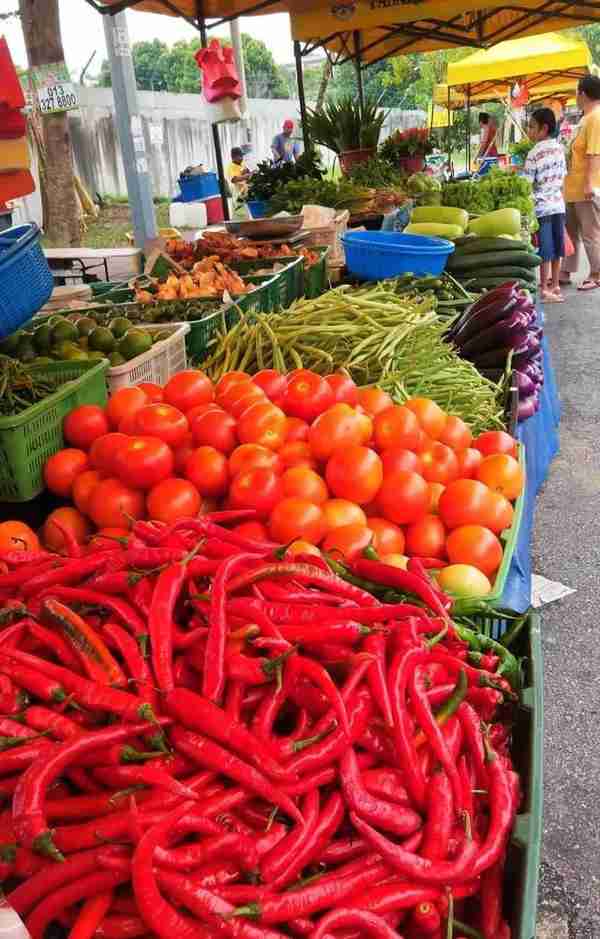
20,386
378,334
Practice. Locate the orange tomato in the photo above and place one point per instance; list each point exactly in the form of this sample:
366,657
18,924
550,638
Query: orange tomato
475,545
387,537
106,535
435,492
396,560
173,499
295,429
262,423
153,392
403,497
429,414
426,538
340,512
17,536
62,468
339,426
463,580
396,427
296,453
207,469
424,442
347,541
69,519
258,488
188,388
354,473
83,487
112,504
398,458
303,483
255,531
502,473
293,519
302,547
251,456
439,464
497,513
468,461
455,433
496,441
125,401
463,502
374,400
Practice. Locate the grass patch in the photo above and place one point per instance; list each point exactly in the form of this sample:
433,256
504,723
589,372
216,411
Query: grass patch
112,226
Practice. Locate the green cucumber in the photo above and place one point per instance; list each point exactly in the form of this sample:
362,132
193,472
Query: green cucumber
487,283
509,273
471,245
472,262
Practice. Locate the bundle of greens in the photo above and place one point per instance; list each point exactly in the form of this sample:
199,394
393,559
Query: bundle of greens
376,174
499,189
341,194
268,176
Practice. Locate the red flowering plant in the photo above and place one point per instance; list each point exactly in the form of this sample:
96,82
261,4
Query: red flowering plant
413,142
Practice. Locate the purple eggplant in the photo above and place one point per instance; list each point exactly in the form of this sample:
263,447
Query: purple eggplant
494,358
528,407
525,384
507,332
498,309
529,355
504,292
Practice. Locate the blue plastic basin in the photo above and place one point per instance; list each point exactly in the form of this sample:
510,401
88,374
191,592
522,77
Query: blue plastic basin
257,209
376,255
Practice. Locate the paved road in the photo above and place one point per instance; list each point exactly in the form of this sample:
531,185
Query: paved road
567,548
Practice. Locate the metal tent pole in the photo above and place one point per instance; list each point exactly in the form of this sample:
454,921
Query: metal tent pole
358,64
215,127
129,127
449,135
468,148
301,95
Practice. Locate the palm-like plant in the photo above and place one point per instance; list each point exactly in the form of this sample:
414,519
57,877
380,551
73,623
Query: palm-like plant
344,125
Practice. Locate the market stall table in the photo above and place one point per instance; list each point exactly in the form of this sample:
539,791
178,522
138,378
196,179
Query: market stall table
75,263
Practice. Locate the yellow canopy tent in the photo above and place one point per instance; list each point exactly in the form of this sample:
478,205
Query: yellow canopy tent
195,11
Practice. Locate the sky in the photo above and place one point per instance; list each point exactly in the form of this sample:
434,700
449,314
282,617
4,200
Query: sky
82,33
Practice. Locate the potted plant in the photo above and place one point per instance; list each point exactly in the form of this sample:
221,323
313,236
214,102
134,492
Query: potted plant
407,149
349,129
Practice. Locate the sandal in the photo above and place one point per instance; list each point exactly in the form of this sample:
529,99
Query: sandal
589,285
548,296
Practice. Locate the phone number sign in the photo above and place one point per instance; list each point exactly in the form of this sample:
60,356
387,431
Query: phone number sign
55,91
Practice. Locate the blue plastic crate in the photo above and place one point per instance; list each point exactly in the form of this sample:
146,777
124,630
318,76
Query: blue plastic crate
192,188
257,209
25,279
376,255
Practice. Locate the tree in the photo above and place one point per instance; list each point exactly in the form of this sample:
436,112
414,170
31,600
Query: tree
159,67
375,83
416,75
41,29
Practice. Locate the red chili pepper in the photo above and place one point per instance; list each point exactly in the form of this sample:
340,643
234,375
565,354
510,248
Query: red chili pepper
305,574
37,684
72,548
376,646
117,582
17,558
277,861
399,677
485,701
427,920
210,754
90,915
92,651
73,572
311,847
153,558
386,783
439,821
491,900
137,665
162,609
250,611
299,665
141,595
228,845
471,727
57,725
55,644
405,581
368,923
203,567
398,819
121,926
119,608
15,579
335,744
208,528
63,898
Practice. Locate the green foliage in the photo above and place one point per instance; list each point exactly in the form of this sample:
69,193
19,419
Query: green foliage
340,194
417,74
375,174
497,190
345,125
521,148
159,67
415,141
267,177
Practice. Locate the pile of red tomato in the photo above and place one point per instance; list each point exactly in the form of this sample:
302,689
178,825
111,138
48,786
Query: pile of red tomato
321,461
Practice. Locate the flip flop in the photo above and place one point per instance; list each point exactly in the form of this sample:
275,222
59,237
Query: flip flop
589,285
553,298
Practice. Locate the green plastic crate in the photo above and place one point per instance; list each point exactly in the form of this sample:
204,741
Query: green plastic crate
202,331
290,283
315,276
29,438
523,860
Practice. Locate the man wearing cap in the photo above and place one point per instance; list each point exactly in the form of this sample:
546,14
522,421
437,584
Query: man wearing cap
285,150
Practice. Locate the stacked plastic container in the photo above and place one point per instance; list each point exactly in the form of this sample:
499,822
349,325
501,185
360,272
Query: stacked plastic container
202,188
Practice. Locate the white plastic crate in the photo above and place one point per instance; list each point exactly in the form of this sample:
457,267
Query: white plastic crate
158,364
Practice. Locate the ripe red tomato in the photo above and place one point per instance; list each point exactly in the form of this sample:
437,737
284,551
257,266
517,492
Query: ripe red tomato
69,519
246,397
295,429
435,492
207,469
468,461
228,380
502,473
456,433
397,458
373,400
259,489
307,395
339,512
403,497
495,441
162,421
112,504
124,401
201,409
338,427
296,453
439,464
83,487
264,424
128,425
429,415
62,469
426,538
104,451
255,531
85,424
344,389
143,462
498,513
387,537
17,536
272,382
463,502
181,454
303,483
354,473
215,428
296,518
252,456
475,545
153,392
424,442
396,427
348,541
173,499
189,388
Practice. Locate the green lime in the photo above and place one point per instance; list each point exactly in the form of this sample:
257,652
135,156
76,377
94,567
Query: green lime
64,350
115,358
119,326
42,337
64,331
135,342
42,360
101,339
76,355
96,356
85,324
54,319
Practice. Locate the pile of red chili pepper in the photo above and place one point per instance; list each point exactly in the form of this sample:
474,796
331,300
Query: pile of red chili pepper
202,736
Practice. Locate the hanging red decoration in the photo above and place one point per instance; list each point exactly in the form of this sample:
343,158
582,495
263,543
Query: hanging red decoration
219,74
